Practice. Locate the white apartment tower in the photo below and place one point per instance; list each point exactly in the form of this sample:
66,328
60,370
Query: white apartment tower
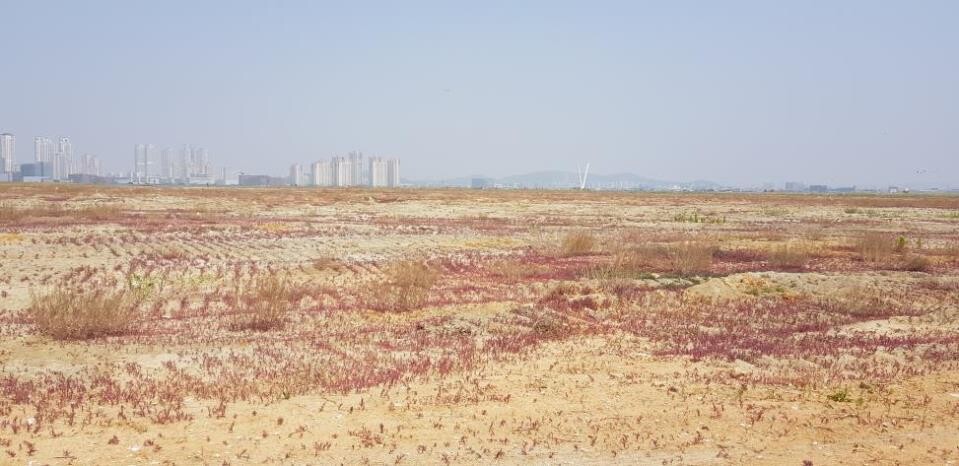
63,159
377,172
393,173
201,162
167,164
342,172
296,175
185,163
89,165
321,174
7,150
356,168
43,149
141,162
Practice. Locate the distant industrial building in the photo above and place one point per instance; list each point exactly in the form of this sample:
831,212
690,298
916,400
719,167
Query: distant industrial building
818,188
480,183
37,169
795,187
261,180
90,179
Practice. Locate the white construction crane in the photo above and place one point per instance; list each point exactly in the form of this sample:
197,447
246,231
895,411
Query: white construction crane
582,176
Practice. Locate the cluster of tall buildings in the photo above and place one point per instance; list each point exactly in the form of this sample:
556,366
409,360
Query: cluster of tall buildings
54,160
51,161
350,170
188,165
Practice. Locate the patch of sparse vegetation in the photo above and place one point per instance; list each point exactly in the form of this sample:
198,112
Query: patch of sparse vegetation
697,217
792,255
264,305
578,243
916,263
67,314
840,396
691,256
875,246
406,286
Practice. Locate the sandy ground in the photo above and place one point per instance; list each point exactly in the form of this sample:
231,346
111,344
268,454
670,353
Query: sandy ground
600,391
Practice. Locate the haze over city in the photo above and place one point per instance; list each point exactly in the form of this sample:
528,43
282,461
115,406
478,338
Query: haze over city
740,93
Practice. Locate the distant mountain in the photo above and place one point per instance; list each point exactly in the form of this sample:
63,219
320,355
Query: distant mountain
556,179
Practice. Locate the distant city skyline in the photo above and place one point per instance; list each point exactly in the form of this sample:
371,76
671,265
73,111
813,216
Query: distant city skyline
191,165
741,92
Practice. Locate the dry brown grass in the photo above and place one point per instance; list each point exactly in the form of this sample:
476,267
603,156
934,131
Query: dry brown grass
406,286
326,263
875,246
578,243
916,263
790,255
12,214
80,315
684,258
171,253
264,305
691,257
512,270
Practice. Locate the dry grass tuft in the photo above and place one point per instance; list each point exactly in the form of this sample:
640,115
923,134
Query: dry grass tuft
406,286
13,214
684,258
916,263
69,315
791,255
691,257
875,246
579,243
326,263
512,270
264,306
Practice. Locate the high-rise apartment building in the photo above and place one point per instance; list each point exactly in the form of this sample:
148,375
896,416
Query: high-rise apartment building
321,174
356,168
377,172
201,162
43,149
393,173
296,175
348,171
183,168
89,165
141,162
63,159
167,164
342,172
7,152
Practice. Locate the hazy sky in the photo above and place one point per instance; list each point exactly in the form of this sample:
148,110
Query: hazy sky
836,92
